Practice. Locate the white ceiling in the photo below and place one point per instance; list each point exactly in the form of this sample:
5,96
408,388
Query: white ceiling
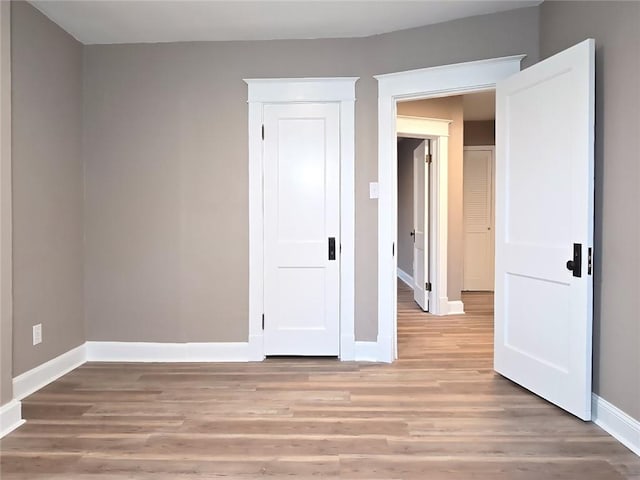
151,21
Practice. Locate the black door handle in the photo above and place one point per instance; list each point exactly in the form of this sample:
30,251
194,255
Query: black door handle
332,248
575,265
413,233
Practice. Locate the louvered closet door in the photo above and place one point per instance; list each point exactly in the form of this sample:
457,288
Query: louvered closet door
478,220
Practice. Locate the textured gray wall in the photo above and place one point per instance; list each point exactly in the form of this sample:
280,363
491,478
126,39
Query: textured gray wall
616,29
47,188
6,387
166,168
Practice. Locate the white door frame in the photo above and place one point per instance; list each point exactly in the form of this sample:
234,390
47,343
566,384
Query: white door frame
492,149
302,90
436,130
432,82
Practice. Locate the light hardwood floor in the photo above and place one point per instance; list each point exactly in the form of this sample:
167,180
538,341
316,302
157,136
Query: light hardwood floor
437,413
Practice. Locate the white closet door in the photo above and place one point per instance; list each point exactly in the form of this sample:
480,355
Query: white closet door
302,229
478,265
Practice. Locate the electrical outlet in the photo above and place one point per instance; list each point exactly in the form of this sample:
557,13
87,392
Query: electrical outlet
37,334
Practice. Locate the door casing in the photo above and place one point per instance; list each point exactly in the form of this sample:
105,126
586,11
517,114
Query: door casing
302,90
441,81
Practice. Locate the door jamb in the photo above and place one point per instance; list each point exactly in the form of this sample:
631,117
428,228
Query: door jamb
432,82
302,90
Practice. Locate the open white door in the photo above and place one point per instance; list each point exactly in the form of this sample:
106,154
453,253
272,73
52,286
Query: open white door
421,225
544,227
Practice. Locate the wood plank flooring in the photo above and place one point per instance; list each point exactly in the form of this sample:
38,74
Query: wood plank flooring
437,413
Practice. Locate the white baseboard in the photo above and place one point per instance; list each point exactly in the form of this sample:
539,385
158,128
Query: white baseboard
616,423
42,375
456,307
347,348
379,351
366,352
172,352
256,348
10,417
405,277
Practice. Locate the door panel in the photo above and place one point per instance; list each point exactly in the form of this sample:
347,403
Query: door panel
301,185
478,264
544,204
421,225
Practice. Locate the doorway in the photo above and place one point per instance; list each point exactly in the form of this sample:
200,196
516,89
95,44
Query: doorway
537,347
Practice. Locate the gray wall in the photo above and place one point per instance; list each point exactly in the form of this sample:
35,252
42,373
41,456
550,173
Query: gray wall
479,132
47,188
406,146
6,388
165,145
616,29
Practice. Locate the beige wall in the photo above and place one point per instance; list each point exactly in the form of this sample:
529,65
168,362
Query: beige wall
479,133
448,108
166,168
615,27
406,147
6,388
47,188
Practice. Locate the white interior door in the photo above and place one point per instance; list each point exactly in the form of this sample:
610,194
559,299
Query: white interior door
421,225
478,263
544,213
302,229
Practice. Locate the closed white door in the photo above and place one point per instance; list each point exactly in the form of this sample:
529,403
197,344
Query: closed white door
421,288
544,228
478,264
302,229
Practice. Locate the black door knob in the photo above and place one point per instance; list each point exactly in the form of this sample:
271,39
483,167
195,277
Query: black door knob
570,265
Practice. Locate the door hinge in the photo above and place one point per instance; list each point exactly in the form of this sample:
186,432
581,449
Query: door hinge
589,261
263,321
427,158
262,132
427,286
393,249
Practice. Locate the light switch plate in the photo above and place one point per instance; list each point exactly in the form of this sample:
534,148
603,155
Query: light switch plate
37,334
373,190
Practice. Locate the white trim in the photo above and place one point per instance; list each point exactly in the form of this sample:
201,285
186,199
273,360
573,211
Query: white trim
36,378
616,423
10,417
406,278
367,352
272,90
455,307
170,352
409,126
339,89
428,82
